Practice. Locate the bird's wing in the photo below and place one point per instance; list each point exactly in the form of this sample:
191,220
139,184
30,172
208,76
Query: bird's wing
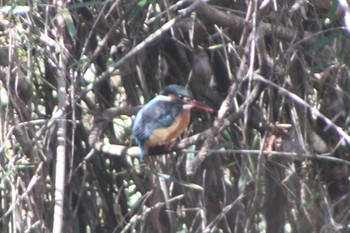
154,116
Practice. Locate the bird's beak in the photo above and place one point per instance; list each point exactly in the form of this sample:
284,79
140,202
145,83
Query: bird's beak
199,105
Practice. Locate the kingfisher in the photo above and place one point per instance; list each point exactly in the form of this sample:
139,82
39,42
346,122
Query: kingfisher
165,117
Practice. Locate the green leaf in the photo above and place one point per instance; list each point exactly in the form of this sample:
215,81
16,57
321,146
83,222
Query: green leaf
227,135
321,43
140,6
14,10
332,11
216,46
70,24
191,185
6,174
256,141
4,98
25,165
174,179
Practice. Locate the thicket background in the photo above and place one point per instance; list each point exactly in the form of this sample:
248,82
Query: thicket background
274,158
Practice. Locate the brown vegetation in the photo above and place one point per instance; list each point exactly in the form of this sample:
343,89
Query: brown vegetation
274,158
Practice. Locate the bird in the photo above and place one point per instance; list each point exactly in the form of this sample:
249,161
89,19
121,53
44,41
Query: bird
165,117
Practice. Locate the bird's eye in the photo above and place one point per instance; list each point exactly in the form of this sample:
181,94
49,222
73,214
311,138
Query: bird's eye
186,99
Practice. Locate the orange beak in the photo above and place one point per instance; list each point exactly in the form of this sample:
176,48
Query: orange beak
199,105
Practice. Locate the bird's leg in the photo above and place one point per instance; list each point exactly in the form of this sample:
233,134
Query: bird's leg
169,145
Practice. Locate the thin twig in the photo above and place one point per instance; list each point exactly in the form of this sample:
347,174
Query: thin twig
136,218
151,38
302,102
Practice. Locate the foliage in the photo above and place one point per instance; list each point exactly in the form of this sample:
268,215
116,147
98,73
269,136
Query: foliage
274,158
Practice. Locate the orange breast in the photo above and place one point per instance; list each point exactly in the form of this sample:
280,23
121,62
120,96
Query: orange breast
164,135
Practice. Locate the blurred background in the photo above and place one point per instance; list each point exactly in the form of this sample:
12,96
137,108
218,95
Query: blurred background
274,158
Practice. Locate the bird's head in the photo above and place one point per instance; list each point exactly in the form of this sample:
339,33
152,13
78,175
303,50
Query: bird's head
183,96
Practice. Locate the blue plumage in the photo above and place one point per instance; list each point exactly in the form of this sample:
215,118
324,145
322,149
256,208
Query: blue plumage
165,117
160,112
